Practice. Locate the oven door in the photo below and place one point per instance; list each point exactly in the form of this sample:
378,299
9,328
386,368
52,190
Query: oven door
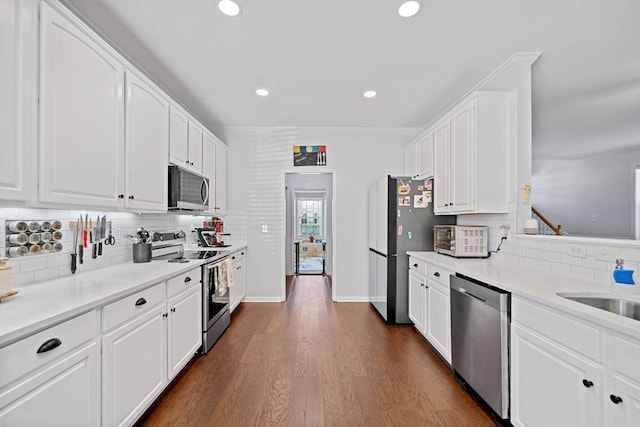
216,293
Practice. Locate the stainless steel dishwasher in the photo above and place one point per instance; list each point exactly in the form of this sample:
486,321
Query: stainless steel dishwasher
480,326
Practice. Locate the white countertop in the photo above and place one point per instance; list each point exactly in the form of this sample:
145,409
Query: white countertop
40,306
539,286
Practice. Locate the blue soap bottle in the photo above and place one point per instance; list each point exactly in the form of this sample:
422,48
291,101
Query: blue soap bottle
622,278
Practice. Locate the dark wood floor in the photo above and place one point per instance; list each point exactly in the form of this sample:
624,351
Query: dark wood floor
312,362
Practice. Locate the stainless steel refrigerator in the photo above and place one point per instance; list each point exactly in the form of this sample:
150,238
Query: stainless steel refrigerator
400,219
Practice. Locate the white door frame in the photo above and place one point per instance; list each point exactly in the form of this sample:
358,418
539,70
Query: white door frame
334,231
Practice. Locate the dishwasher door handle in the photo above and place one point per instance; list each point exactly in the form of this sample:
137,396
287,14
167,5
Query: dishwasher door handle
465,292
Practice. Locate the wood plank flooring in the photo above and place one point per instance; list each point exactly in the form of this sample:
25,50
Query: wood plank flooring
312,362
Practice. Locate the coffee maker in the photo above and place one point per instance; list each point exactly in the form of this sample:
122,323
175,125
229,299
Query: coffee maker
210,237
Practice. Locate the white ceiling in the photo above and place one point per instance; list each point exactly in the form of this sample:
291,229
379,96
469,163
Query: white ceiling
318,57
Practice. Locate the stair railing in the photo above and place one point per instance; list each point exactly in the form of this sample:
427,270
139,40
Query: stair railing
547,227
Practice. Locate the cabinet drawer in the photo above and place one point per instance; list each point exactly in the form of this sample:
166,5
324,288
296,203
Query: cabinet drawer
131,306
184,281
572,333
417,265
22,357
238,256
439,275
626,354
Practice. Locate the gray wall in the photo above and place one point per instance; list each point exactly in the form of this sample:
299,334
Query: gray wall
575,192
307,182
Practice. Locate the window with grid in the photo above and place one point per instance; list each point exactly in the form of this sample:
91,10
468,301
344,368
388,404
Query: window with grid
310,215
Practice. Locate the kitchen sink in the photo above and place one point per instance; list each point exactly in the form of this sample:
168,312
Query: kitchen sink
611,303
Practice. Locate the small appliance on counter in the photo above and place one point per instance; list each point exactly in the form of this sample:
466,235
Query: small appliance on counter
461,241
209,237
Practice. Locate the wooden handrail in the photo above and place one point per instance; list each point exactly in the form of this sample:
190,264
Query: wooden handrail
556,228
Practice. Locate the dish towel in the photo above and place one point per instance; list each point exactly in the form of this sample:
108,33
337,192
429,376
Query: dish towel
225,277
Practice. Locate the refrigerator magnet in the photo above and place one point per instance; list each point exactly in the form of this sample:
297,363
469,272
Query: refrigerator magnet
409,235
428,184
404,189
404,201
399,230
428,196
418,201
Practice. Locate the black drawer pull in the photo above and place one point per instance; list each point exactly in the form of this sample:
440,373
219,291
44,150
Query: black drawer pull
615,399
437,274
187,279
233,257
241,253
415,265
141,301
587,383
173,310
49,345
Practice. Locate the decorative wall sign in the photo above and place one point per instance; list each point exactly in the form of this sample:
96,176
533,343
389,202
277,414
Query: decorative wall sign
309,155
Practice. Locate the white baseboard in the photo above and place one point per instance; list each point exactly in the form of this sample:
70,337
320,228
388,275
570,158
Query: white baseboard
262,299
352,299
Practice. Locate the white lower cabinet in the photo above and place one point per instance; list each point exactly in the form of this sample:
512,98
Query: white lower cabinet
429,304
238,291
184,328
567,371
52,377
552,385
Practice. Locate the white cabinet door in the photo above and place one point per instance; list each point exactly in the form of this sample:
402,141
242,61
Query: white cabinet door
239,289
425,155
18,99
81,116
441,168
462,158
195,146
220,184
184,329
66,393
416,300
147,145
551,385
208,168
622,403
178,137
134,367
438,323
411,161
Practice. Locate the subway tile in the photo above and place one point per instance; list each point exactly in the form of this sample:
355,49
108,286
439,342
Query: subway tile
541,265
534,253
45,275
561,268
32,263
582,273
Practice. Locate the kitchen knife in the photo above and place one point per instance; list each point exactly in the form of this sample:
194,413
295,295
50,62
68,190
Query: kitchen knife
74,254
94,246
80,245
85,236
103,226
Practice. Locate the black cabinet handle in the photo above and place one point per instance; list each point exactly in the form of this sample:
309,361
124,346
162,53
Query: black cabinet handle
415,265
120,196
187,279
437,274
233,257
49,345
131,197
615,399
241,253
141,301
587,383
173,310
165,315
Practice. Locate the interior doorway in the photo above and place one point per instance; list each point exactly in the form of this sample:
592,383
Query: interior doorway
309,224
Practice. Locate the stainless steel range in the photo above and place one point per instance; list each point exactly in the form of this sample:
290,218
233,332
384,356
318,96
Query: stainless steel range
216,315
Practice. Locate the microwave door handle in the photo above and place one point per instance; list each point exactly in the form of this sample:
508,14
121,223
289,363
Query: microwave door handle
204,191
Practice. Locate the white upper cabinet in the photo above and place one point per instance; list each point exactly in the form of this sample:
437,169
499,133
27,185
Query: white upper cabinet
81,116
185,144
179,139
147,145
18,102
208,167
418,157
471,148
220,184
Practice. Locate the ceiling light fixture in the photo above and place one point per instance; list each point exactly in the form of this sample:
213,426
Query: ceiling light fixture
408,8
229,7
370,94
262,92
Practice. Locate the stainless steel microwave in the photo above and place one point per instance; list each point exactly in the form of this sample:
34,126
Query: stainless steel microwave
461,241
187,190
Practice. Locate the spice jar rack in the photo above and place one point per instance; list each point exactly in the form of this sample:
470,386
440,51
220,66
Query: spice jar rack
33,237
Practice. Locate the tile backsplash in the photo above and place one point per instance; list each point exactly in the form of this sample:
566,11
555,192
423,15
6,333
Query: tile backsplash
39,268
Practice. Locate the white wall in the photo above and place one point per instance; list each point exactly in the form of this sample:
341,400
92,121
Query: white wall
572,192
355,157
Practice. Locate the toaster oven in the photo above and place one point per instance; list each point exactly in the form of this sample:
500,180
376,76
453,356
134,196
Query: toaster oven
461,241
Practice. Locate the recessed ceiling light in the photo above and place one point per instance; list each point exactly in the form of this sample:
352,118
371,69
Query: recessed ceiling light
262,92
229,7
370,94
408,8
